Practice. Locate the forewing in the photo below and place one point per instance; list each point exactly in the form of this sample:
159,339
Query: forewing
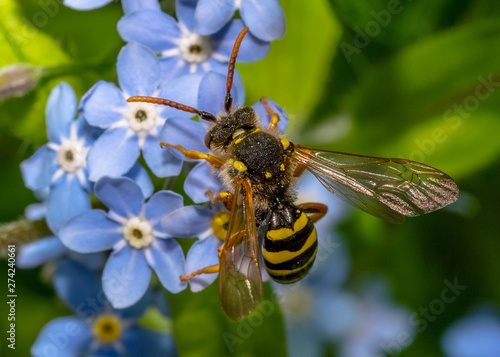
240,280
386,188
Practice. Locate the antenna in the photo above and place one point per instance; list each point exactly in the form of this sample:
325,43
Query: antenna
175,105
228,101
202,114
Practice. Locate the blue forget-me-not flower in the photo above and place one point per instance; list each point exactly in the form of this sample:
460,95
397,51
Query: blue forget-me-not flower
265,18
132,128
477,334
182,50
132,230
97,329
60,166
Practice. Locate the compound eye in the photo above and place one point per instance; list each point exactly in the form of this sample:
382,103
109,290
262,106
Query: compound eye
208,139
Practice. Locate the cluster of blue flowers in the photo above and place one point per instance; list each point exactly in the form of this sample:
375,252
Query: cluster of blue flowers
111,229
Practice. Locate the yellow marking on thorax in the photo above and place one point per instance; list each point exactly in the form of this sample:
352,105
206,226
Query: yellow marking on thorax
282,167
240,139
240,166
285,143
268,175
287,232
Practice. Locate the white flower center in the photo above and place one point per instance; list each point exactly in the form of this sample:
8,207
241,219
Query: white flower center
72,154
195,48
141,117
138,232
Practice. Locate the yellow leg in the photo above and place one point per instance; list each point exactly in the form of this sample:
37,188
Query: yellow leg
315,211
274,116
220,196
196,155
207,270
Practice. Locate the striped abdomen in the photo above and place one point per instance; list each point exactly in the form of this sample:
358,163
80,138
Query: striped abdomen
290,245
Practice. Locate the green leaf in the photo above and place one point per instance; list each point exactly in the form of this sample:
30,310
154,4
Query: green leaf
458,143
293,74
402,102
427,78
202,329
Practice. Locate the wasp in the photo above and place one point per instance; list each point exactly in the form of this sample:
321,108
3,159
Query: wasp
258,165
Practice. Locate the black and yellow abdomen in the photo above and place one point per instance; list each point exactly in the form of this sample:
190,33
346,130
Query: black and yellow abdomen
290,245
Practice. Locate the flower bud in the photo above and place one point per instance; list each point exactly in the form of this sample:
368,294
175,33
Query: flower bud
18,79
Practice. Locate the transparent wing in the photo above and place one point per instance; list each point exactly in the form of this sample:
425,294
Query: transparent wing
386,188
240,280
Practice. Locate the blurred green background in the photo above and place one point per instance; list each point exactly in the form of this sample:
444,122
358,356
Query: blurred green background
411,79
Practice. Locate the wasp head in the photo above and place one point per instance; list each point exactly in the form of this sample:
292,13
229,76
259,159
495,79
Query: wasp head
231,127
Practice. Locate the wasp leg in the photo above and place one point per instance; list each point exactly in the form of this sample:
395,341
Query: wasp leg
275,118
315,211
299,170
196,155
220,196
206,270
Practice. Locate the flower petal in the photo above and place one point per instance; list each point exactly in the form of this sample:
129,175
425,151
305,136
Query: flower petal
212,15
140,341
77,286
125,278
40,252
188,221
103,104
38,170
92,231
182,90
251,49
203,253
200,180
172,68
163,162
184,10
136,5
265,19
138,70
113,154
35,211
66,200
153,29
265,118
212,93
60,111
121,195
168,263
141,177
64,336
478,334
160,205
188,133
85,4
138,309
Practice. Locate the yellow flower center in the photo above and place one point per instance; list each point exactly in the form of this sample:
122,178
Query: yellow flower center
107,328
220,225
